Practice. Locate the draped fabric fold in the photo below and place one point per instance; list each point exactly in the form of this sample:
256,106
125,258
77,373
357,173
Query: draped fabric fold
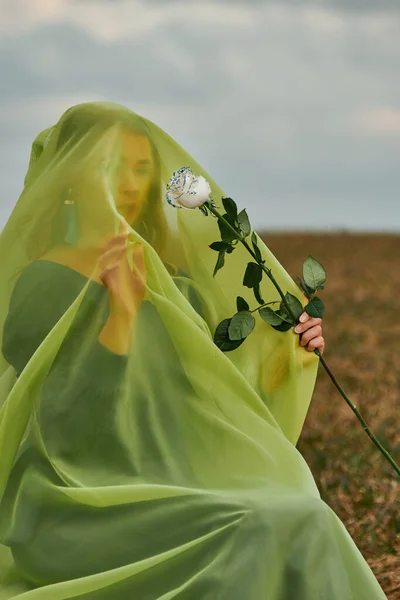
137,460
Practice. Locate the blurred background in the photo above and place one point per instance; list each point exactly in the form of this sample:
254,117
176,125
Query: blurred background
293,106
292,103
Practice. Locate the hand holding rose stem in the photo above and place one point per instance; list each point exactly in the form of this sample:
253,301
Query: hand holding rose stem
126,289
212,209
185,190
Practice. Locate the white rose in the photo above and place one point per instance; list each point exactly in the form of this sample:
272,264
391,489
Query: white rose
185,190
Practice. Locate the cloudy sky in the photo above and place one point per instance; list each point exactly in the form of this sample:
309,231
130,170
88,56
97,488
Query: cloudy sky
293,106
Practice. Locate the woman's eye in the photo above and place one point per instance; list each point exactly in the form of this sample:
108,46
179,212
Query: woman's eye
141,171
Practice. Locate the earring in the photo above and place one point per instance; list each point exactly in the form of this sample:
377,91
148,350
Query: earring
70,220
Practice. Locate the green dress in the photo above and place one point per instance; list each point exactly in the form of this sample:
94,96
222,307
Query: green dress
91,514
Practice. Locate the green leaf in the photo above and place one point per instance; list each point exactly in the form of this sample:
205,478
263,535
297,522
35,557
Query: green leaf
314,273
227,234
221,337
270,316
241,304
241,325
306,289
295,305
315,308
257,294
230,207
283,311
220,262
256,249
253,275
244,223
283,327
218,246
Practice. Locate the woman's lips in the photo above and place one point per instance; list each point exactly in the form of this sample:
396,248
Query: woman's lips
127,204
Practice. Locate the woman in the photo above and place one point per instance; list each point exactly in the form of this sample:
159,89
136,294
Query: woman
138,460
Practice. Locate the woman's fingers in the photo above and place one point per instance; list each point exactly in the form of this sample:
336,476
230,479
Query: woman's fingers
105,273
311,333
138,258
310,330
118,256
123,227
116,240
317,342
112,257
310,322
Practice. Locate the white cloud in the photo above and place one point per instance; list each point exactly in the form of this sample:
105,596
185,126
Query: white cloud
117,20
381,119
325,21
21,15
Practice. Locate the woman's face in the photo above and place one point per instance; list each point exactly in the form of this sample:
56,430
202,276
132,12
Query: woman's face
135,175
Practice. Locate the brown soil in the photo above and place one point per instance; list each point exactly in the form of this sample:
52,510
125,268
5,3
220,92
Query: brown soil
361,327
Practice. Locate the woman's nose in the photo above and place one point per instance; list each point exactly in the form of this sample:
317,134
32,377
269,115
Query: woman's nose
129,182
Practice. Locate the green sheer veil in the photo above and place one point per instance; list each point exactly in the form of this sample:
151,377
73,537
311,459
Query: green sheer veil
80,156
117,467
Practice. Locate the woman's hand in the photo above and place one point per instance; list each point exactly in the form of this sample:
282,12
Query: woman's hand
126,288
311,330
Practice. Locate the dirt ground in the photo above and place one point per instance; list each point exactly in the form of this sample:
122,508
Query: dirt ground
361,327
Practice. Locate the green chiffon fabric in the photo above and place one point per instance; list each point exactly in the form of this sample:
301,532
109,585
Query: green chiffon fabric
170,470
